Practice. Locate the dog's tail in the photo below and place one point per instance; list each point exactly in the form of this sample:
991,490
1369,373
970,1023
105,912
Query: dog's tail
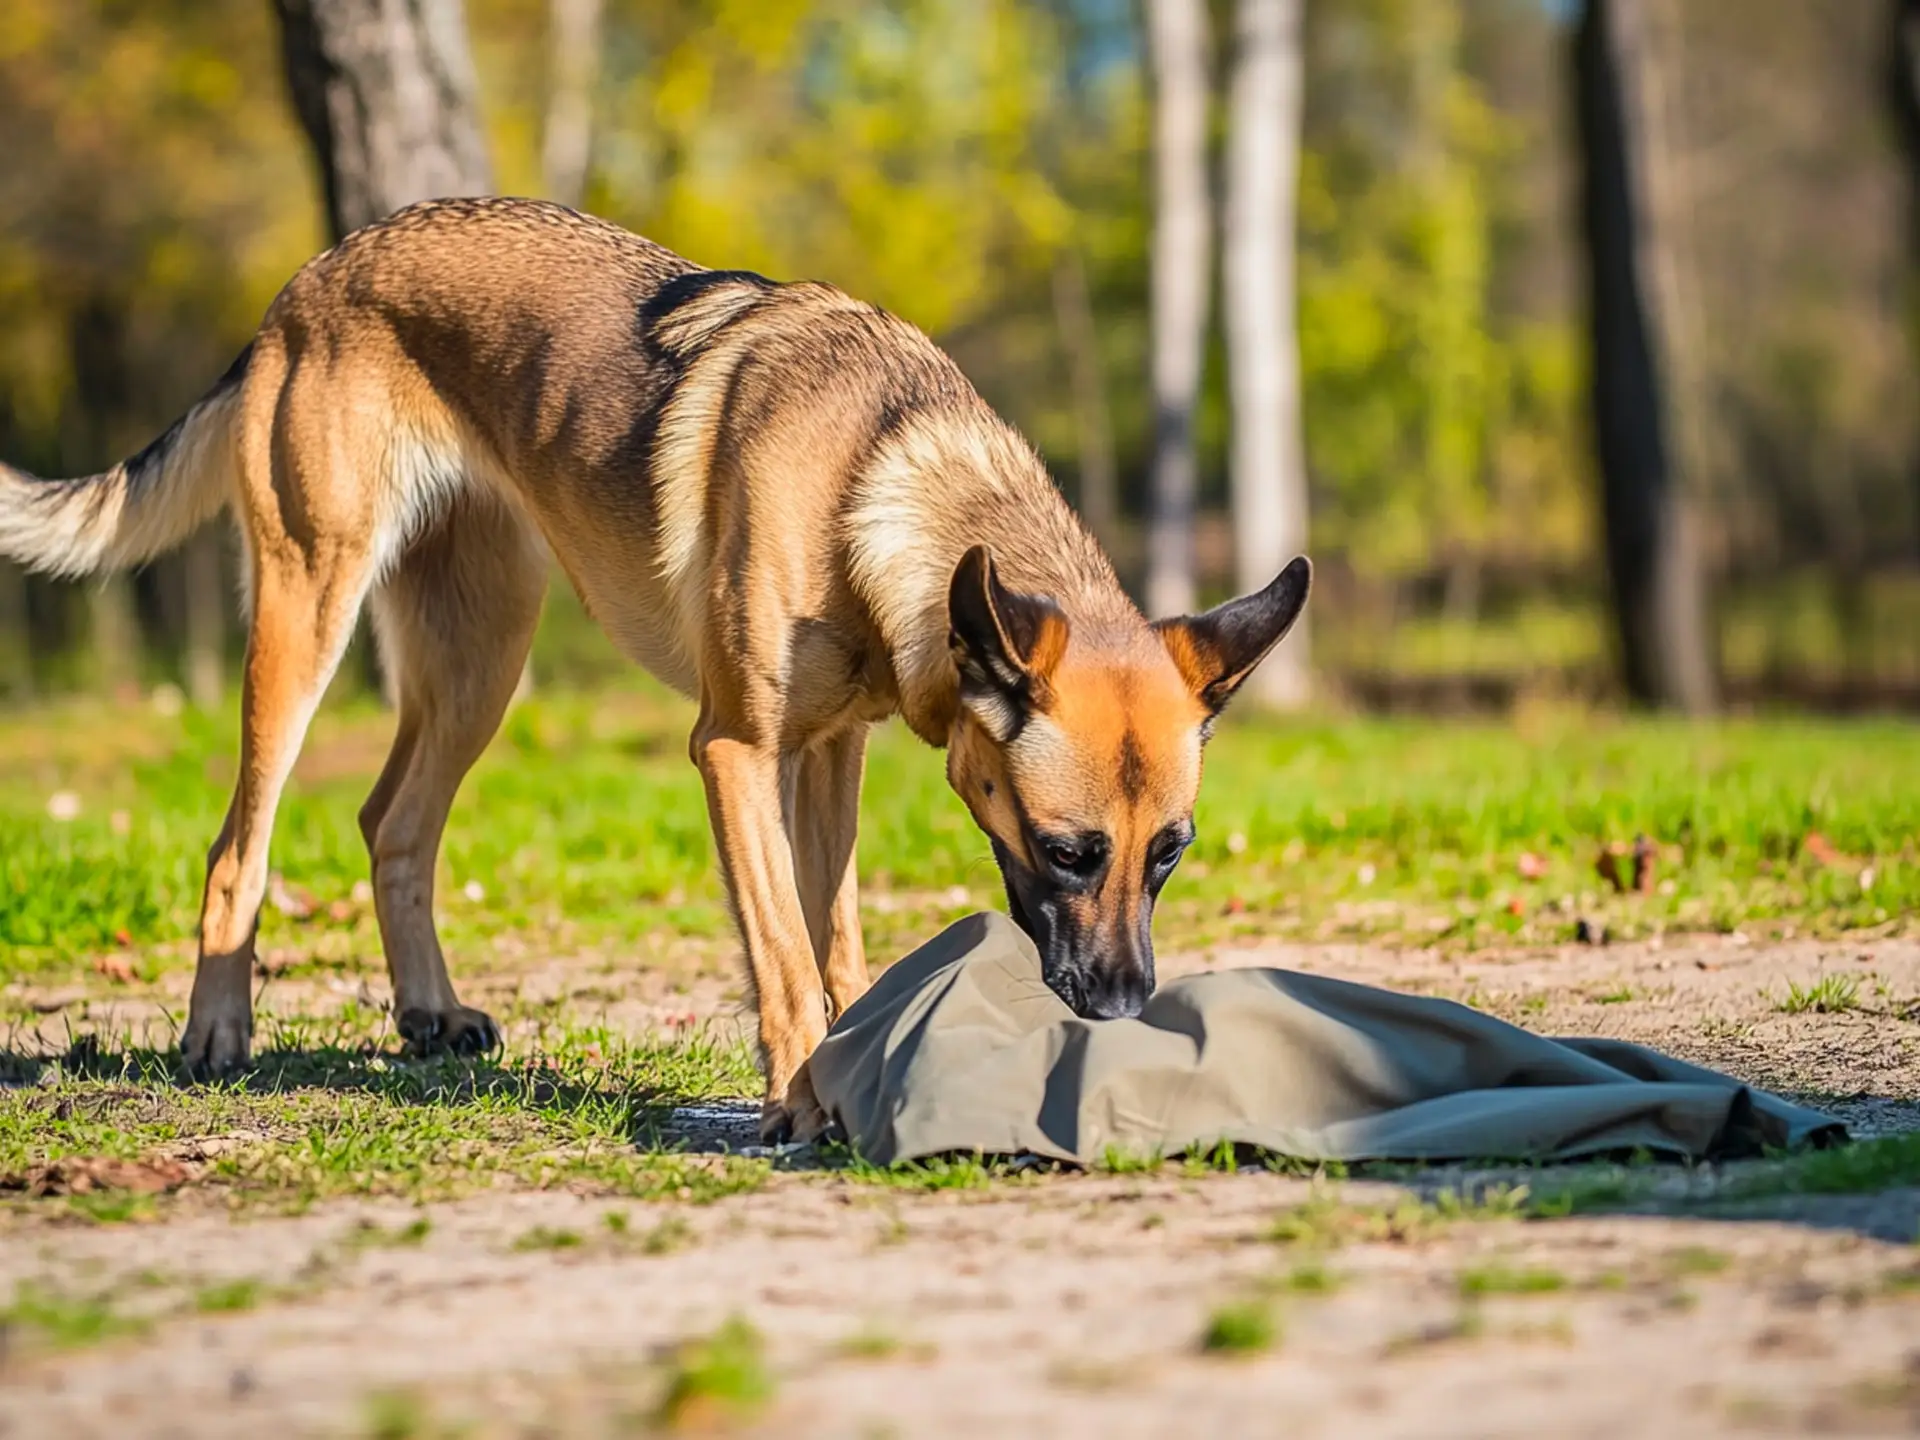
141,507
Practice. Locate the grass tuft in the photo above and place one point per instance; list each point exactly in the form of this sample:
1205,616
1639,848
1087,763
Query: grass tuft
1244,1328
1500,1279
541,1237
66,1322
1829,995
227,1296
718,1379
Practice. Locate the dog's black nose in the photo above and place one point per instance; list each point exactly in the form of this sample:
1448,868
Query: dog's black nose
1118,997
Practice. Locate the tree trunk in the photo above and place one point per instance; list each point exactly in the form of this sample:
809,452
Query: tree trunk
1080,340
16,635
1652,543
205,611
1268,463
1903,79
386,93
1177,42
573,67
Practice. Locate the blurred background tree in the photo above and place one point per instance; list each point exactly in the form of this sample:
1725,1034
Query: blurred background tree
987,169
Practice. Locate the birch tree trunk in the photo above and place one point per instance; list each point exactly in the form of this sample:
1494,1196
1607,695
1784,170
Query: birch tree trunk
573,68
1177,44
1080,340
1653,551
1267,460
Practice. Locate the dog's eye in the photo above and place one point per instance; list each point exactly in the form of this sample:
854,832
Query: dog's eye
1075,857
1167,848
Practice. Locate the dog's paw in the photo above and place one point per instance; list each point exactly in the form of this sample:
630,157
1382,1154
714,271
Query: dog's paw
458,1030
795,1118
216,1046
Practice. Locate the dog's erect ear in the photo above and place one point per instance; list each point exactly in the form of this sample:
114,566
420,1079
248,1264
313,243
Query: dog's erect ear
1005,645
1218,650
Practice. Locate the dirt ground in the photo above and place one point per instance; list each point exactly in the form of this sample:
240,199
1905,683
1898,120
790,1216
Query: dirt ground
1077,1303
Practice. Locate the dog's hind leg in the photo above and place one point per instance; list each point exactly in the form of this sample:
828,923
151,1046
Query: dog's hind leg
823,824
310,535
455,622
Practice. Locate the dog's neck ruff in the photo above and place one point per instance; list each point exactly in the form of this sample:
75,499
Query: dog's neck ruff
941,484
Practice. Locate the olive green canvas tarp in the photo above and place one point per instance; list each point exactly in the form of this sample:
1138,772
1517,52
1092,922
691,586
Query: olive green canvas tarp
962,1047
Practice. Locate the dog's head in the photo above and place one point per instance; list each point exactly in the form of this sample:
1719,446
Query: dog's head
1079,755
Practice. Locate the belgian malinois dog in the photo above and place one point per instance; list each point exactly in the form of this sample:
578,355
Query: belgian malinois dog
783,502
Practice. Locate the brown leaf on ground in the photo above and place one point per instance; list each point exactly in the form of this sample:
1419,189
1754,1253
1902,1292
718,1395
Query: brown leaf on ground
89,1174
294,901
1607,867
116,968
1645,863
1819,849
1234,906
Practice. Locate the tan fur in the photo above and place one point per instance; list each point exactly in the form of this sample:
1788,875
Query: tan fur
760,491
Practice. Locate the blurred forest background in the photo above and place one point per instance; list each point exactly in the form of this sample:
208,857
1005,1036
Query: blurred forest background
1118,217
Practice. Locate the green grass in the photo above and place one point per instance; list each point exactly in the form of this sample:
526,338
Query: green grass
368,1236
1862,1168
585,824
1500,1279
1829,995
1310,1279
1698,1260
874,1343
721,1378
227,1296
66,1322
1325,1221
1243,1328
541,1237
335,1120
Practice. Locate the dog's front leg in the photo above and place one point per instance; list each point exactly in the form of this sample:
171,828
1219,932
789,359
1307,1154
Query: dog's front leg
743,781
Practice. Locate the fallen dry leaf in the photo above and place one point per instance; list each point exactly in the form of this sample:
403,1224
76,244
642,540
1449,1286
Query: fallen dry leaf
1820,849
116,968
294,901
1645,856
1607,867
87,1174
1234,906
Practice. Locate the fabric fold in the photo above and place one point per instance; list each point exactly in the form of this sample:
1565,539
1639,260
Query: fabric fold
962,1047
